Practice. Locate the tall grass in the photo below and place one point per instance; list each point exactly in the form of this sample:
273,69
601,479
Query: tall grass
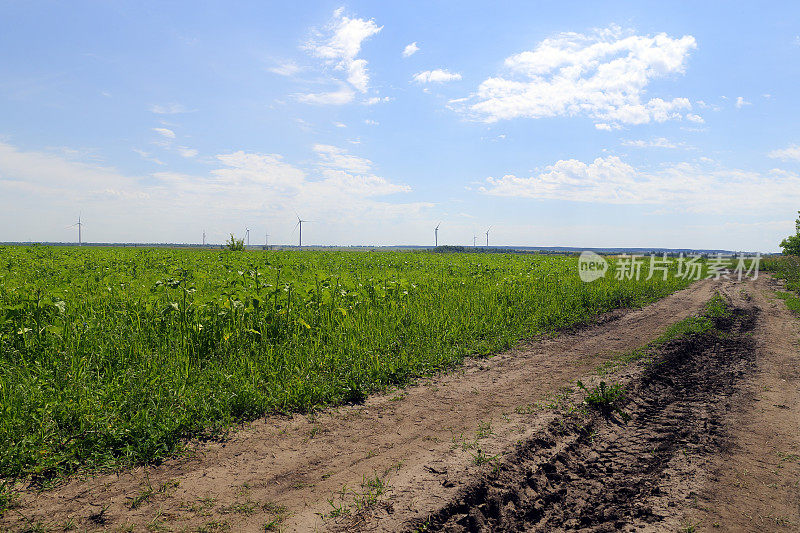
787,267
112,356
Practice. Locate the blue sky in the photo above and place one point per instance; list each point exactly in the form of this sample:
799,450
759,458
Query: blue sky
557,123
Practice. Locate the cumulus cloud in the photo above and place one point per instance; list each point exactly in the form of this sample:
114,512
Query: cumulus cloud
603,75
683,186
337,187
338,45
50,175
741,102
436,76
791,152
338,182
697,119
410,49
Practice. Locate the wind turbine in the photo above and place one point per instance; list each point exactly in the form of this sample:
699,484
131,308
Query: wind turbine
79,224
436,234
204,237
266,240
300,224
474,240
487,235
247,235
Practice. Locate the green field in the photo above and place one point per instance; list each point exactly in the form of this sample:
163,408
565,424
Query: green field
113,356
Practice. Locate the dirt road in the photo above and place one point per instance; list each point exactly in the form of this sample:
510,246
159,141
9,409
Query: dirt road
413,457
755,484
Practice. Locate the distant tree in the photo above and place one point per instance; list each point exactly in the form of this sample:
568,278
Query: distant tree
235,244
791,245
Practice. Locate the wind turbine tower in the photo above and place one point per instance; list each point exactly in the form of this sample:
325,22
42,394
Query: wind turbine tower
204,237
436,234
487,236
247,235
79,224
300,224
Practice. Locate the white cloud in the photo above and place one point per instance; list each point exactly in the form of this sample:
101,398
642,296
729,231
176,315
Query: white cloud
377,100
338,158
342,39
48,176
357,75
683,186
695,118
148,157
340,125
303,125
339,45
607,127
168,109
341,183
436,76
169,134
344,95
338,188
705,105
603,75
370,122
187,152
410,49
741,102
288,68
792,152
658,142
243,168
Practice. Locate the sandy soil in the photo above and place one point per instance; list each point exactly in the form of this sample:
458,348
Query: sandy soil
413,457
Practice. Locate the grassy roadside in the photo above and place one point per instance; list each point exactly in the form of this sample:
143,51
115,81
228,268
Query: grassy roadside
608,396
704,321
787,268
